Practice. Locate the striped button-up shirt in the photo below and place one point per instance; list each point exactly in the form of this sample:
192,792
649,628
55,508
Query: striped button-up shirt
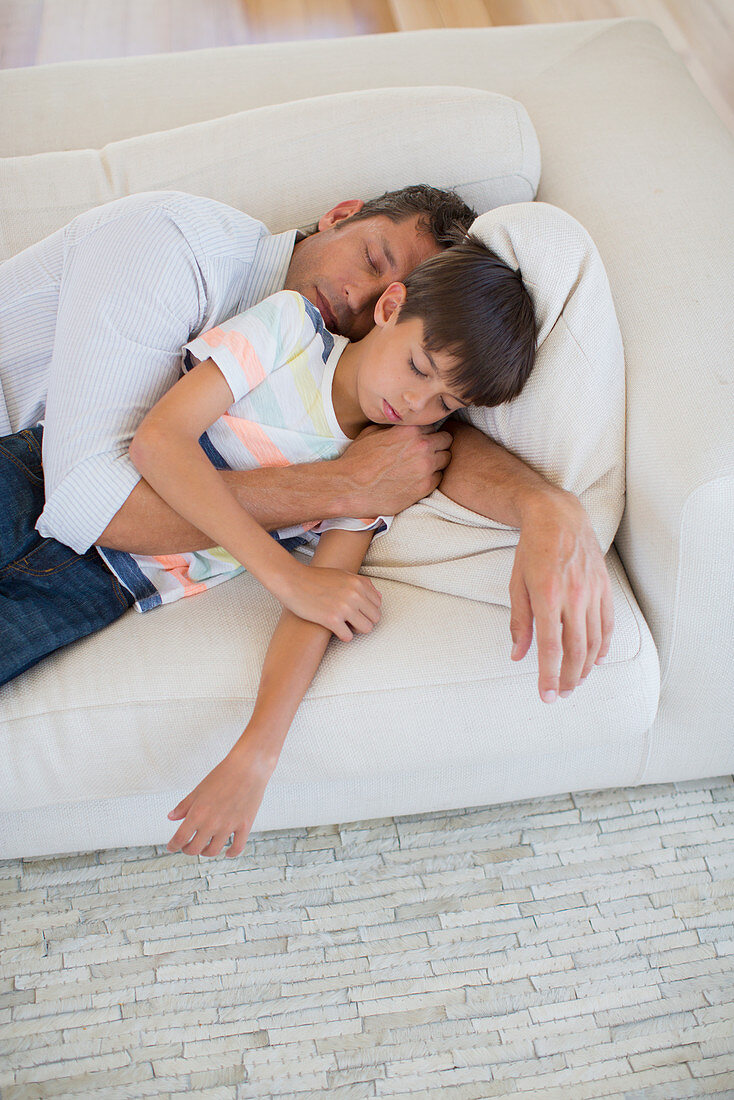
92,322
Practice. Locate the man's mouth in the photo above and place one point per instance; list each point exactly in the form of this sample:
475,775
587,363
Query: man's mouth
390,413
326,312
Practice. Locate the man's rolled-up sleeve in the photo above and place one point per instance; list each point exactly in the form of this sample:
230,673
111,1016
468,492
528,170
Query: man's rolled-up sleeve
131,295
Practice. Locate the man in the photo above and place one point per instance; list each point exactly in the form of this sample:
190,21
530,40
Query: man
91,325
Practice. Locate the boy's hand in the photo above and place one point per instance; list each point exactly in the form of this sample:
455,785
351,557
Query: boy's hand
226,801
345,603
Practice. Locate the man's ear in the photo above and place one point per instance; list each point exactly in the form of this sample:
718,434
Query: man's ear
389,303
339,212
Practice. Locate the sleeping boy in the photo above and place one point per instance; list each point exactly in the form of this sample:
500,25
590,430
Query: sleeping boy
273,386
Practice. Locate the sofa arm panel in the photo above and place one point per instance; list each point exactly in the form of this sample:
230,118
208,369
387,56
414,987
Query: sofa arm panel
697,695
633,150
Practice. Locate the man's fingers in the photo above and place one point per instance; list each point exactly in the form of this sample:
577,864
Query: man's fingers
442,440
593,639
575,649
550,655
607,621
521,620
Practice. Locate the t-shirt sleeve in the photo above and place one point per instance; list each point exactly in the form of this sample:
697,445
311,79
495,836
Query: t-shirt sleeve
380,524
250,345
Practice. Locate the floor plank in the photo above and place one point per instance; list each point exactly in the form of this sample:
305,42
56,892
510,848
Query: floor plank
36,32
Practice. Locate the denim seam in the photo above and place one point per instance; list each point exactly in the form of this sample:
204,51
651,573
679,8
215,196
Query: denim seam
21,465
16,567
32,441
120,592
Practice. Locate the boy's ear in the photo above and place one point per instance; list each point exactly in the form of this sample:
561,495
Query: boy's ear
389,303
339,212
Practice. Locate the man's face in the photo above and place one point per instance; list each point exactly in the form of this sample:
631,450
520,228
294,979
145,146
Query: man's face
345,266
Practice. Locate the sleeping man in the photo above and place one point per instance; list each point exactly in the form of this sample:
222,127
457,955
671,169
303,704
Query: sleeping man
92,321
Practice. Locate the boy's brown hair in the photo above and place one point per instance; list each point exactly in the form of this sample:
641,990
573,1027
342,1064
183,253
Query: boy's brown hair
476,308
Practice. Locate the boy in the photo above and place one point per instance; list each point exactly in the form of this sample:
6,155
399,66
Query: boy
459,331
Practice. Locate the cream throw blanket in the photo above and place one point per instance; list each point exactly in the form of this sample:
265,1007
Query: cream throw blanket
568,423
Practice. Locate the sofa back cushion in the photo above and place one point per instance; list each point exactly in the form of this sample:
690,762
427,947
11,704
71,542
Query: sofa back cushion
287,164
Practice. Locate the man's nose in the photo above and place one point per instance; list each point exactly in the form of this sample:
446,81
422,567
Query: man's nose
362,299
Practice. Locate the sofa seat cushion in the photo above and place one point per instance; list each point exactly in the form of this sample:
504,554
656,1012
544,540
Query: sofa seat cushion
154,702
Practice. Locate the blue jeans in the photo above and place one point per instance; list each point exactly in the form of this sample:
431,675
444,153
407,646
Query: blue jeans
49,595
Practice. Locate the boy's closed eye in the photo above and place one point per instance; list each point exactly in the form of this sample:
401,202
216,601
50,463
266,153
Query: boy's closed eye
422,375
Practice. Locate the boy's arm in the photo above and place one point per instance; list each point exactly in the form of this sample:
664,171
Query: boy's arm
382,472
166,451
228,798
559,576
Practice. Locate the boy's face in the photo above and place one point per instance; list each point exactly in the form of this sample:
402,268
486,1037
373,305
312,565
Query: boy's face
345,266
398,380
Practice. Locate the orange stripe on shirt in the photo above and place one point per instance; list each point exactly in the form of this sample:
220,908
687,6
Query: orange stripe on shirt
177,566
260,446
242,350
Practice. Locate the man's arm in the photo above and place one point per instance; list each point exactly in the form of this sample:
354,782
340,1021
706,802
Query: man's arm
382,472
559,577
228,798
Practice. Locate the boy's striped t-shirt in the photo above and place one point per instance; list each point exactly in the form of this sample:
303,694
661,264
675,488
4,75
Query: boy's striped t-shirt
278,358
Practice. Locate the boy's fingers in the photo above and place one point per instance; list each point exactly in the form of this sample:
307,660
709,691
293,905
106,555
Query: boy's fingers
217,842
183,807
342,631
181,838
239,840
372,611
372,598
198,843
361,622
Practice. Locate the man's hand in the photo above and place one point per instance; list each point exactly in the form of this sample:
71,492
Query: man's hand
390,468
560,579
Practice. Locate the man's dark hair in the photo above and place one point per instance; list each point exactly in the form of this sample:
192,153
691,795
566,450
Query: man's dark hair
441,213
476,308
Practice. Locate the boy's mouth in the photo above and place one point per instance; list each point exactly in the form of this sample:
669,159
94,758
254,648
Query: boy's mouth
390,413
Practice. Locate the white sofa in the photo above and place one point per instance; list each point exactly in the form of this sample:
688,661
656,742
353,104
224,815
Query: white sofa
427,713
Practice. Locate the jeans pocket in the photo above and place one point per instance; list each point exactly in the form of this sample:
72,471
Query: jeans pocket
23,452
45,559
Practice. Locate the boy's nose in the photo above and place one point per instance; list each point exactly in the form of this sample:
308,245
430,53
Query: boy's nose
414,402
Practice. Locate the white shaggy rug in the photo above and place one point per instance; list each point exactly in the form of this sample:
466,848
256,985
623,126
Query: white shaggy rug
572,947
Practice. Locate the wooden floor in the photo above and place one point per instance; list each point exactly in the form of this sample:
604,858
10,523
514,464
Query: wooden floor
35,32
